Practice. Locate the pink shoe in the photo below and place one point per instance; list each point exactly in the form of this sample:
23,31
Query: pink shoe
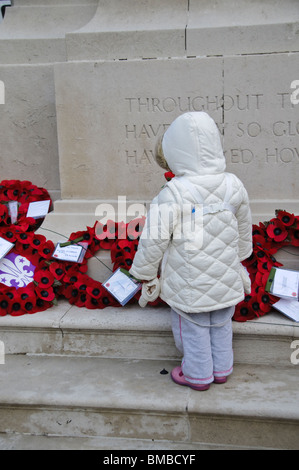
178,377
220,380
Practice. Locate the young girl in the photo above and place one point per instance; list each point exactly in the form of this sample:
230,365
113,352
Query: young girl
198,231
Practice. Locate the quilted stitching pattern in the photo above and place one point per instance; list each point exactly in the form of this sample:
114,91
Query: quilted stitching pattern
208,278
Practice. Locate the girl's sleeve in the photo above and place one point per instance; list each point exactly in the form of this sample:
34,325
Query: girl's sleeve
245,226
156,235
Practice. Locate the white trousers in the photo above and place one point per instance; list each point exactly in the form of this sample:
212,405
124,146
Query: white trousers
207,350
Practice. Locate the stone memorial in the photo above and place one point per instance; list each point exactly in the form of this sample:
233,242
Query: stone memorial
86,89
91,85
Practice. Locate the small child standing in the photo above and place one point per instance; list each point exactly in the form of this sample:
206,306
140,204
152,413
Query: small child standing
197,232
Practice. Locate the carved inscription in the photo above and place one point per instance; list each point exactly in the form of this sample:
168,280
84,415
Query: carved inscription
149,117
277,133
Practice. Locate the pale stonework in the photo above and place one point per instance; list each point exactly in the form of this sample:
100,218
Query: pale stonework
108,150
90,85
86,87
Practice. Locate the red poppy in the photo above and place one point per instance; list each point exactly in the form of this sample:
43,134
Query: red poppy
14,191
43,278
251,263
286,218
135,227
82,282
93,247
80,300
71,276
46,249
261,278
294,237
45,293
265,267
107,234
26,223
16,306
265,300
262,256
258,229
120,231
107,300
116,251
23,208
71,293
5,306
277,230
95,289
254,306
24,237
85,236
169,175
57,269
244,311
123,253
37,240
27,299
92,302
259,242
101,302
3,213
9,234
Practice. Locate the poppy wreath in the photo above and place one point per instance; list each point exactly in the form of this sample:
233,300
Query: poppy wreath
23,192
268,238
122,241
29,282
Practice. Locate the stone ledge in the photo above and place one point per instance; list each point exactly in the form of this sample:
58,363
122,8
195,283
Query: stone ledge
130,398
133,318
133,332
225,28
29,442
34,32
141,30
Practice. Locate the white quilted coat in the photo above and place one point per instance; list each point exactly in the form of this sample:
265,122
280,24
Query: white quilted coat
208,275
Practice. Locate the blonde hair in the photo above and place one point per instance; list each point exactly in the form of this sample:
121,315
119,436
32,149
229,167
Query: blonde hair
159,155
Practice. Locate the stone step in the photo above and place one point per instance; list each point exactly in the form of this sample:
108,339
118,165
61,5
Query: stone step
148,446
93,397
133,332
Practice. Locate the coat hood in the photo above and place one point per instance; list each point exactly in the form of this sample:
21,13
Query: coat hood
192,146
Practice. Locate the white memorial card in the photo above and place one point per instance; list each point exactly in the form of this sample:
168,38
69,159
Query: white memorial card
5,247
72,252
288,307
283,283
122,286
38,209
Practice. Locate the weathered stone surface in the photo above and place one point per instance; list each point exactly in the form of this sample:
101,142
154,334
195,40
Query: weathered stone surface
237,61
244,27
28,138
108,149
262,125
131,29
128,108
32,38
33,31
